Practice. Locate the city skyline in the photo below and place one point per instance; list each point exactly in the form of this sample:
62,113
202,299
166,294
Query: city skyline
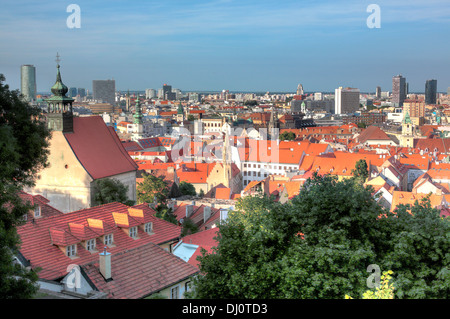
235,45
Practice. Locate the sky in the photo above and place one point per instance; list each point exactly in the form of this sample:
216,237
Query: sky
242,45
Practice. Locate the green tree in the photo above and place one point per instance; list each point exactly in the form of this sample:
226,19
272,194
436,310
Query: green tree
191,117
152,189
362,125
201,193
188,227
187,188
110,190
361,171
165,212
24,139
287,136
385,291
320,244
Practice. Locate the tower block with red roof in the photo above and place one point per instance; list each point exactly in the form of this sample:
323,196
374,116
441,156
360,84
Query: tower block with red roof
82,151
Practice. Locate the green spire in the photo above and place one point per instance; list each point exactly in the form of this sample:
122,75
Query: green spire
180,109
407,119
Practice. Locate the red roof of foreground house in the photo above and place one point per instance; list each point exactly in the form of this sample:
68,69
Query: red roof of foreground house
98,148
41,240
45,209
204,239
139,272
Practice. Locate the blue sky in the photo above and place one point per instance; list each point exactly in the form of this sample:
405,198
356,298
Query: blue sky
240,45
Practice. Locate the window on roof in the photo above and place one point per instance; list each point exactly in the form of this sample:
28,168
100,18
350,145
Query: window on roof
148,228
133,232
71,250
37,211
108,239
90,244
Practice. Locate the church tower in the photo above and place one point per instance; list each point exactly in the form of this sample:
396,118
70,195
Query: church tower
138,122
59,111
226,160
180,113
407,138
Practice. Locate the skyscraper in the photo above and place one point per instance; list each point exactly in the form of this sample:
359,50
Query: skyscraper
430,91
378,92
28,82
104,90
398,89
346,100
73,92
300,89
81,92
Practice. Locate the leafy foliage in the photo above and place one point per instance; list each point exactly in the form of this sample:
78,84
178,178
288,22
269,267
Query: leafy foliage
111,190
361,170
385,291
320,244
23,153
287,136
188,227
166,213
187,188
152,189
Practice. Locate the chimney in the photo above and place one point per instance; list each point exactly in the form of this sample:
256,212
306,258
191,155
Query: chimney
105,264
206,213
189,210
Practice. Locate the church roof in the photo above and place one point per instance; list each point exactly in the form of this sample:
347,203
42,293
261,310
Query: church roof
98,148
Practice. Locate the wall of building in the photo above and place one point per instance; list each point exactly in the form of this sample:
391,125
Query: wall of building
65,183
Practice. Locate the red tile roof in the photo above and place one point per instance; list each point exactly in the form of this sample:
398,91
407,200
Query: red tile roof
39,239
42,202
372,133
98,148
139,272
204,239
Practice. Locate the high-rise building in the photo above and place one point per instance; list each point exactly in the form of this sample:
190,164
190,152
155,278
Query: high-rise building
430,91
167,92
346,100
73,92
300,89
150,93
378,92
398,90
104,90
28,82
81,92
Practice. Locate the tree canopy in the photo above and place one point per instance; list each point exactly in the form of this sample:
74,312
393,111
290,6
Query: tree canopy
320,244
152,189
24,139
111,190
287,136
187,188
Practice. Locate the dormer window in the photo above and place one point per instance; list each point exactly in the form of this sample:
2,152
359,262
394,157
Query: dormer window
108,239
133,232
148,228
37,211
71,250
90,245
